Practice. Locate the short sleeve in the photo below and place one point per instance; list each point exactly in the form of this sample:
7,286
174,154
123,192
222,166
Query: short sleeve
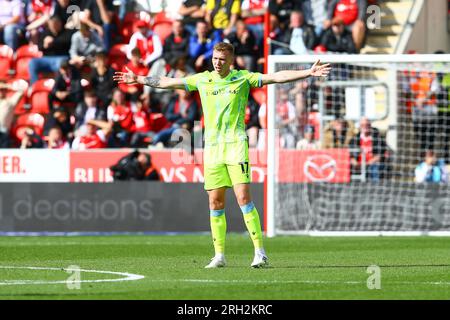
190,82
236,8
255,79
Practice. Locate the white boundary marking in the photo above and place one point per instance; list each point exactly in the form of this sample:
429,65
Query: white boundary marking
128,276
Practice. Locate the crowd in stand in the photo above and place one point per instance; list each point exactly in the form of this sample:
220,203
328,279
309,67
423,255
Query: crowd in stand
75,46
66,97
63,95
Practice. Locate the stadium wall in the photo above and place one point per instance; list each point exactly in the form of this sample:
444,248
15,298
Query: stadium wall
113,207
431,30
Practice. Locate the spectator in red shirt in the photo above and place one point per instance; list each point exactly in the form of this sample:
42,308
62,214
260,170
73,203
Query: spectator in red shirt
253,12
368,148
135,65
148,43
119,111
142,126
120,120
93,138
38,13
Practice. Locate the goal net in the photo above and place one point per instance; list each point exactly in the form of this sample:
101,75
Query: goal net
364,151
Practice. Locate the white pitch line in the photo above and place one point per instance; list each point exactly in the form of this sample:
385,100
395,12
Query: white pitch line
128,276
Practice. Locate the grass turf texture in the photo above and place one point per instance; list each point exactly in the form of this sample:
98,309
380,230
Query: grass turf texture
301,267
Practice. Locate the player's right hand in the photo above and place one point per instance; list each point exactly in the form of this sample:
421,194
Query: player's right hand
125,77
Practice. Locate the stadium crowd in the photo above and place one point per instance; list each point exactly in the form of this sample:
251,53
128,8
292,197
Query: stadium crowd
58,57
67,51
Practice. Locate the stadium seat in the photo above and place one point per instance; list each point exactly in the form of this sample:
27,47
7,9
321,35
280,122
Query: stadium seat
163,30
21,107
162,26
23,56
39,95
28,120
6,60
127,27
118,56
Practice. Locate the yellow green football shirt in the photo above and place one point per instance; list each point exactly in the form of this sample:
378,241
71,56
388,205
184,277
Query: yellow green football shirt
224,102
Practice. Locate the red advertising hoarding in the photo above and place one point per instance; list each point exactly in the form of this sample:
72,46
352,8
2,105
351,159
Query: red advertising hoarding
173,165
328,165
331,165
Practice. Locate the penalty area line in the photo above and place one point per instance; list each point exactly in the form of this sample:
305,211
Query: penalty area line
125,276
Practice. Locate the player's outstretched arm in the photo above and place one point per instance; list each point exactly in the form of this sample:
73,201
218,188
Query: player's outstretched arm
317,70
152,81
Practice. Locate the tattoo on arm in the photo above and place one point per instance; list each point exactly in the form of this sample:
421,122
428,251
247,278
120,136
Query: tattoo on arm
152,81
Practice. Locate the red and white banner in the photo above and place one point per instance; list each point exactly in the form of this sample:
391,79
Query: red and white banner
332,165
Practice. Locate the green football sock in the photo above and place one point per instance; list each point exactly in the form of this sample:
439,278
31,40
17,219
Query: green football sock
251,218
218,230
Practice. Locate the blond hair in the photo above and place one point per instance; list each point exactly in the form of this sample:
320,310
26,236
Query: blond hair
223,46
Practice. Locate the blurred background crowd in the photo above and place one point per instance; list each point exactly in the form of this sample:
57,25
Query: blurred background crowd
58,58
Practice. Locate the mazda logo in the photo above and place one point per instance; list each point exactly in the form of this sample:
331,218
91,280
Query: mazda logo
320,168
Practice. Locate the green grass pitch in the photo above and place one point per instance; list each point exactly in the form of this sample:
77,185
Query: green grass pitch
301,268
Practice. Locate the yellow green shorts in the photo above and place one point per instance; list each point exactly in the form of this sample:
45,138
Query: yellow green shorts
226,164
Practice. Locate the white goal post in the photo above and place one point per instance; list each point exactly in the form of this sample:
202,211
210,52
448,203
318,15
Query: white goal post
343,190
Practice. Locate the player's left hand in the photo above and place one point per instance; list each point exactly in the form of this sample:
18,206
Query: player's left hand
318,70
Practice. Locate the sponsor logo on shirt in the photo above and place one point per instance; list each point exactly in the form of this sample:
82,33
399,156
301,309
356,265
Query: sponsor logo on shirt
221,91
